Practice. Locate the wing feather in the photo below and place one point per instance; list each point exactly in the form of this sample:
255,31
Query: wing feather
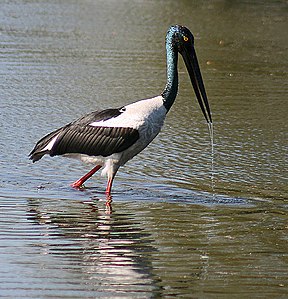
94,141
80,137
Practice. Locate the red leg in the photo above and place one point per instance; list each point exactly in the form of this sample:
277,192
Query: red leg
80,182
109,186
108,195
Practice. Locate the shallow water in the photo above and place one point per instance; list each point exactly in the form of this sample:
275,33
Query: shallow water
178,227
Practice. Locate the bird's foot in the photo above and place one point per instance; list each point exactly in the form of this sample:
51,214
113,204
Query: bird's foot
78,185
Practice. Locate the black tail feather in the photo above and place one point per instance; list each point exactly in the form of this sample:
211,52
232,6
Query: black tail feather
37,153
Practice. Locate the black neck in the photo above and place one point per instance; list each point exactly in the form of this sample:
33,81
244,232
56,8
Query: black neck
170,91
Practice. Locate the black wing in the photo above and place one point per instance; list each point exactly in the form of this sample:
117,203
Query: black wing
94,141
80,137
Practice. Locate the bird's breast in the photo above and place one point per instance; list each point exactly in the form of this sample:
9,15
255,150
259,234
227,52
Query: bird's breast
145,116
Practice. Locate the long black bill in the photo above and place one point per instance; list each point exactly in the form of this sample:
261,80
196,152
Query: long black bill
193,68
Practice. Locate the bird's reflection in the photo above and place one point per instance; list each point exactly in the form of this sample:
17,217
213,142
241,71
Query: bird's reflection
110,250
108,204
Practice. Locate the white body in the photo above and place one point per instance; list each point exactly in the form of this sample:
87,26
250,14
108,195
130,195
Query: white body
147,116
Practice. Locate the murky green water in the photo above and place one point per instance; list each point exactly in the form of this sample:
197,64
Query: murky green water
169,234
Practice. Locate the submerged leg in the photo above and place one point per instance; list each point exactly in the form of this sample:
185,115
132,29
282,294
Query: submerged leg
79,183
108,205
108,196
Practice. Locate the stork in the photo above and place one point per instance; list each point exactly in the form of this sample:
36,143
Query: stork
111,137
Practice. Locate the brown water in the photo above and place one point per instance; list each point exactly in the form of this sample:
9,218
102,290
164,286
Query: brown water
174,230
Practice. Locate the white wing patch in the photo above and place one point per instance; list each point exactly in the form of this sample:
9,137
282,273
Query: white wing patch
134,114
49,146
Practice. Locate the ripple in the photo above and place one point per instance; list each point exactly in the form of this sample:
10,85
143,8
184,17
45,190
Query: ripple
170,233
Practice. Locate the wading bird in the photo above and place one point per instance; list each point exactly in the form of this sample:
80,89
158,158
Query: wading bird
111,137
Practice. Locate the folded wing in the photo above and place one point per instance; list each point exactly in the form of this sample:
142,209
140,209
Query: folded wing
82,138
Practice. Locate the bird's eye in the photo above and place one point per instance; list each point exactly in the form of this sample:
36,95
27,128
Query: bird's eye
185,38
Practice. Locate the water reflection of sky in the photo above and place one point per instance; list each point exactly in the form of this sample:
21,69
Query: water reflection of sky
175,229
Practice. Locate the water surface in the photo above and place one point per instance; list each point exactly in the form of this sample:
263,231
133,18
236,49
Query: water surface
170,232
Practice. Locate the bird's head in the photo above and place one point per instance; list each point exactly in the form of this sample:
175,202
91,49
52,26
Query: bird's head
182,40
